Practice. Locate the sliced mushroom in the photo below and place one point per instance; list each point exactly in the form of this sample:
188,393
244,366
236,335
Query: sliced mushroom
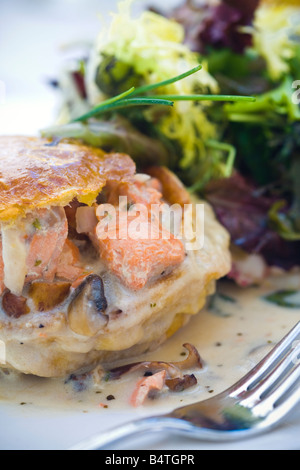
46,296
85,380
179,384
173,369
87,309
193,359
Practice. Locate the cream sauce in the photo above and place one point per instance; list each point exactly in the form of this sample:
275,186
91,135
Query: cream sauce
235,330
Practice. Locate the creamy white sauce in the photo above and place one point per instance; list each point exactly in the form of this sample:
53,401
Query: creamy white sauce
232,335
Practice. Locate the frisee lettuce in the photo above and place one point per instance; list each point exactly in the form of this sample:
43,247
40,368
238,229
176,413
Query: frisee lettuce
151,46
276,28
132,55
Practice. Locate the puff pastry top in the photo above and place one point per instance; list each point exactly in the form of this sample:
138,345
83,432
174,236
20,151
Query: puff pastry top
35,173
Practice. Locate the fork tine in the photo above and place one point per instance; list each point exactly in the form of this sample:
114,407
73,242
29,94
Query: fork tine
267,364
280,395
276,375
283,407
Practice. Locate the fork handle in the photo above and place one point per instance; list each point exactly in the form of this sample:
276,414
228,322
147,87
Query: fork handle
145,425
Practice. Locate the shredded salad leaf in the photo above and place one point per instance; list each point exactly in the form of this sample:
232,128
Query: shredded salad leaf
152,46
134,54
243,157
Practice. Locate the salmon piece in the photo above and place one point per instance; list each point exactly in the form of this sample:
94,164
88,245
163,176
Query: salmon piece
86,219
137,192
43,233
69,263
46,244
50,253
133,244
172,188
147,385
143,193
136,248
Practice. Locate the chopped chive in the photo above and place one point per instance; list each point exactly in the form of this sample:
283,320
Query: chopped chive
105,103
123,104
206,97
117,97
121,101
37,224
132,91
153,86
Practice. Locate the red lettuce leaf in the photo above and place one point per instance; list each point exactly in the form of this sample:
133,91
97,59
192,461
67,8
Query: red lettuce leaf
243,210
216,26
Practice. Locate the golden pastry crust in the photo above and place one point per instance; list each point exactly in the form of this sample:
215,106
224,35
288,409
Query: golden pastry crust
36,174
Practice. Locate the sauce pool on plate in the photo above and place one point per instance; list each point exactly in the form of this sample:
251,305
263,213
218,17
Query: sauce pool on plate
235,330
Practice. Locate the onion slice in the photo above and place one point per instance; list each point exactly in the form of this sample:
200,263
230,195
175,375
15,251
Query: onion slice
14,256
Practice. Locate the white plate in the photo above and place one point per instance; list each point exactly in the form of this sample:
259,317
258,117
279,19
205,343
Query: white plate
31,33
43,430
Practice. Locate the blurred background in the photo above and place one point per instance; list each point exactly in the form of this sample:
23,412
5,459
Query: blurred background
34,35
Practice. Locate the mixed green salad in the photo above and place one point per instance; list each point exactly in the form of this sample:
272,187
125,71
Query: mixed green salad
176,89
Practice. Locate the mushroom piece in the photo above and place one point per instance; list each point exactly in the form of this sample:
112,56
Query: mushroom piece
173,369
179,384
46,295
14,307
86,313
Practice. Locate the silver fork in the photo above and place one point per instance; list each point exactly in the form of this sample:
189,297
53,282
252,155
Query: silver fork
256,403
